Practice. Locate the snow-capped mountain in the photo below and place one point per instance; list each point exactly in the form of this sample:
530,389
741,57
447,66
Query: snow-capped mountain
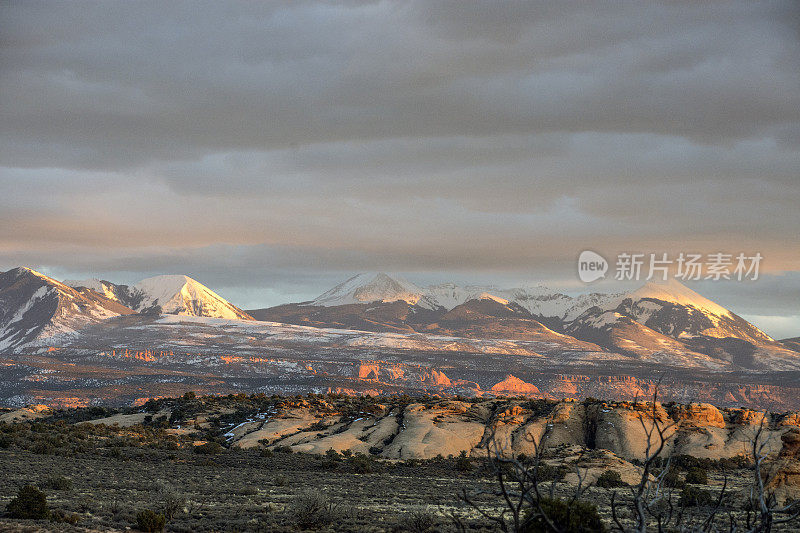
537,299
450,295
182,295
173,294
540,301
35,308
667,321
675,310
372,287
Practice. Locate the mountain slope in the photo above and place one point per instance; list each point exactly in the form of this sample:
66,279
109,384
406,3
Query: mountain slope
371,287
620,333
670,322
173,294
126,295
679,312
792,344
34,307
490,317
398,316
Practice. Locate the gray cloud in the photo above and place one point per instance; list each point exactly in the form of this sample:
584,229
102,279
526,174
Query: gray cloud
253,143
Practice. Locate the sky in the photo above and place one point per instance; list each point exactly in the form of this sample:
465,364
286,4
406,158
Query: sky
272,149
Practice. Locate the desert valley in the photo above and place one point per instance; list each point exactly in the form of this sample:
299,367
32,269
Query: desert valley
81,343
393,385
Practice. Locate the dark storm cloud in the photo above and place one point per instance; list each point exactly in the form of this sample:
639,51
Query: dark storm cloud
253,142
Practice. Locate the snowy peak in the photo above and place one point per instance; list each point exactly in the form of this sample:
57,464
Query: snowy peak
673,291
182,295
35,307
173,294
672,309
450,295
538,300
25,273
372,287
492,297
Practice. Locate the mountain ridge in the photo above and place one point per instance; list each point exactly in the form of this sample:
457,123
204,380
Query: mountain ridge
35,307
172,293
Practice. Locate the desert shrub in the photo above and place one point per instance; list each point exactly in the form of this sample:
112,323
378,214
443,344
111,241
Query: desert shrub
463,463
319,425
150,521
360,464
672,479
328,464
418,521
247,490
735,462
313,510
209,448
696,476
115,508
689,462
160,422
579,517
58,515
177,416
695,497
171,501
266,452
283,449
86,505
540,408
610,479
333,455
57,483
546,472
43,448
30,502
281,480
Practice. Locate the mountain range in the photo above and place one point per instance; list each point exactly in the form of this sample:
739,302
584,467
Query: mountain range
660,323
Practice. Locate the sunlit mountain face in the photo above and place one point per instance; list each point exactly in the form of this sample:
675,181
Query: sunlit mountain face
380,332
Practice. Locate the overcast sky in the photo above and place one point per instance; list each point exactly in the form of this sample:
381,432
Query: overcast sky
271,149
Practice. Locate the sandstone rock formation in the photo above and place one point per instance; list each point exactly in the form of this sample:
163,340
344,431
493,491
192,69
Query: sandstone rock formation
513,385
783,474
425,429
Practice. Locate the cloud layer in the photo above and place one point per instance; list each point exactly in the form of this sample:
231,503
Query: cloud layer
250,143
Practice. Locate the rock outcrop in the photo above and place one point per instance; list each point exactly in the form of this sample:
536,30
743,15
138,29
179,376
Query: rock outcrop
515,386
783,474
423,430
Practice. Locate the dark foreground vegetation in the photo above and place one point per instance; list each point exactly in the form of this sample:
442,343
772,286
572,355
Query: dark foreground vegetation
61,473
